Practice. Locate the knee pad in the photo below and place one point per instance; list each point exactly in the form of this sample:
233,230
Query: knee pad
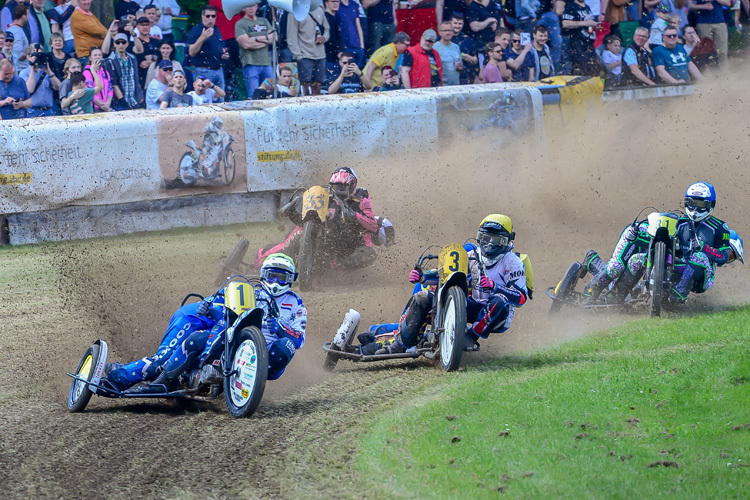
279,355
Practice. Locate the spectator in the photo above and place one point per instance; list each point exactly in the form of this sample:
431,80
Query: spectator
126,10
145,48
525,15
8,13
659,25
103,99
175,96
544,67
519,59
14,95
491,73
349,78
387,55
87,31
390,80
502,36
57,56
20,42
381,16
421,66
307,40
579,24
333,45
671,62
254,35
39,82
152,13
72,65
350,29
80,97
612,60
482,18
206,47
468,50
123,68
166,52
64,11
158,85
446,9
709,19
5,50
701,50
167,9
283,86
637,69
450,55
40,24
204,91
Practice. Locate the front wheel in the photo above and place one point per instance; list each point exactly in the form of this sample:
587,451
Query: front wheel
229,166
188,172
248,360
658,273
566,285
80,394
233,260
453,329
306,256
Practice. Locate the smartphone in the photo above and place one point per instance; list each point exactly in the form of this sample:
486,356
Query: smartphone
525,38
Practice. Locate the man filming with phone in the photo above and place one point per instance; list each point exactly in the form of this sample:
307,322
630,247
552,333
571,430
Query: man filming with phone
350,78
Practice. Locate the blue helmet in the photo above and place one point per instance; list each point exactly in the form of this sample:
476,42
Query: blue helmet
735,243
700,200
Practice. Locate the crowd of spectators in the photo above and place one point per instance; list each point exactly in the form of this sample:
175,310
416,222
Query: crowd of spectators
61,59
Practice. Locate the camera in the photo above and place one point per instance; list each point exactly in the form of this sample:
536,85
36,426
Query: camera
41,58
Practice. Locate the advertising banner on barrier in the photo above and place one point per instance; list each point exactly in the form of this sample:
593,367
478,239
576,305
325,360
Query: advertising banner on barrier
62,161
202,153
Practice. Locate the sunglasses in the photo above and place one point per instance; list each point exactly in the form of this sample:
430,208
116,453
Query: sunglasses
669,36
516,40
121,42
209,16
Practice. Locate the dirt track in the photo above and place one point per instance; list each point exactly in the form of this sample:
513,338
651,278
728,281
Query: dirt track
574,190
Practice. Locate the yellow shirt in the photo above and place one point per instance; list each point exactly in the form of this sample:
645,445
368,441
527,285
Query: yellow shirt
87,31
384,56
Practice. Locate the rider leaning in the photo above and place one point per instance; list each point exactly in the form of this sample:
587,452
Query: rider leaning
352,236
704,242
497,280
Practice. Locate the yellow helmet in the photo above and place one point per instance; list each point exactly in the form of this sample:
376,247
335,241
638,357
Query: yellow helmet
494,237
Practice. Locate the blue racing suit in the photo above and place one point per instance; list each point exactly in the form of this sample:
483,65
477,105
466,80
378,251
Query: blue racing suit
184,322
702,246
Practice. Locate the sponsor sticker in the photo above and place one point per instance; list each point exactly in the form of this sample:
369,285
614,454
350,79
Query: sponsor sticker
23,178
267,156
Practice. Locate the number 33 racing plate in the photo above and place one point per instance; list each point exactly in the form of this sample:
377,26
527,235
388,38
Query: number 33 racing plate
315,199
452,258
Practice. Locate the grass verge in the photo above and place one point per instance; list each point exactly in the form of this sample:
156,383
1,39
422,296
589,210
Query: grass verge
658,408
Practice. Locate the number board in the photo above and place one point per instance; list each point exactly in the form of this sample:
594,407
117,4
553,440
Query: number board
239,297
315,199
452,258
657,220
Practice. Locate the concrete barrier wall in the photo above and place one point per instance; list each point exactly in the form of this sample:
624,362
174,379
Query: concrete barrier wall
95,175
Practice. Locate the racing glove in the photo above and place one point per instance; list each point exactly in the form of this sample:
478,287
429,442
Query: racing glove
203,308
349,214
273,326
486,283
415,276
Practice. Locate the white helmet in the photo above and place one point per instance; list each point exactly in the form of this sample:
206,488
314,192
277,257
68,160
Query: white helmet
278,273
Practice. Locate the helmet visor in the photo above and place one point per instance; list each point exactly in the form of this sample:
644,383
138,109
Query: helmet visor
498,240
697,205
341,189
278,276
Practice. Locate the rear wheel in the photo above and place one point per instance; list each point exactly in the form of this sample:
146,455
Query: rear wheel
229,166
306,255
80,394
566,285
658,272
243,390
453,329
233,260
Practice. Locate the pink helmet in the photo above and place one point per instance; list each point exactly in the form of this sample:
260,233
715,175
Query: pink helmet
343,182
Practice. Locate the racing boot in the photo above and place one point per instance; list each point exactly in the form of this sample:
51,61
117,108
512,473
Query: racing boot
395,347
624,285
160,385
112,366
678,294
591,292
593,264
675,297
471,340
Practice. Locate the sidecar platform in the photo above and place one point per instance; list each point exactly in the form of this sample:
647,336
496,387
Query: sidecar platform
575,301
357,356
108,392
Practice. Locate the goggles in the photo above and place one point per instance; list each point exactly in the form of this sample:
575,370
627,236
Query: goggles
499,240
695,204
278,276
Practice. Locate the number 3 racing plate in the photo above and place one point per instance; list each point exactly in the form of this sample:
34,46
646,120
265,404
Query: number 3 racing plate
452,258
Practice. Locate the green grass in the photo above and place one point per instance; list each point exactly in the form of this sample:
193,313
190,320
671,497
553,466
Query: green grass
658,409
